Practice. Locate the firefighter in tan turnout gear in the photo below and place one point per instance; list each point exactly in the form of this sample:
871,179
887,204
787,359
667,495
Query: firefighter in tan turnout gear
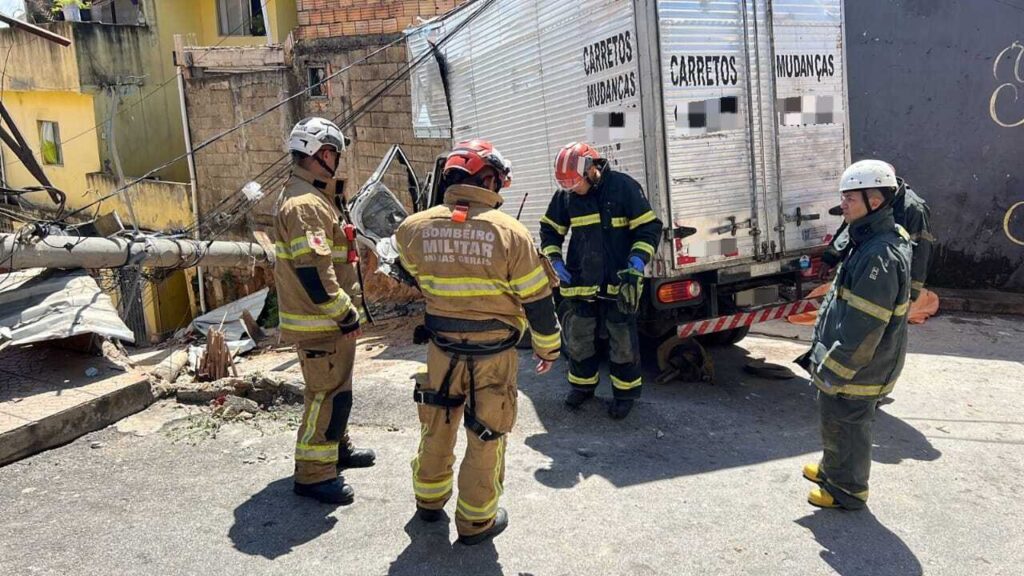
319,298
484,284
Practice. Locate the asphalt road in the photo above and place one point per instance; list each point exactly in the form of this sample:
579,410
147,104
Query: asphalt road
700,479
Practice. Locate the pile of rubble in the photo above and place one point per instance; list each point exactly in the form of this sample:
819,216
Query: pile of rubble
223,360
233,397
200,365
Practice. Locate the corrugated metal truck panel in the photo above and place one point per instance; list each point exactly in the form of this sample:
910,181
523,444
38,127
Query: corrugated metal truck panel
729,152
810,80
762,97
521,79
707,117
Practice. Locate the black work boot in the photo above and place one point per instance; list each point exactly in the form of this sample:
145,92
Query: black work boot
576,398
500,523
351,457
333,491
429,516
620,408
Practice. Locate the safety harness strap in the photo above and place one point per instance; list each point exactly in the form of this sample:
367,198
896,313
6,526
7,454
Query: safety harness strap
467,351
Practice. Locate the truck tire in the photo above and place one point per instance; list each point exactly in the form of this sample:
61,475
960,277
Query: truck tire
724,338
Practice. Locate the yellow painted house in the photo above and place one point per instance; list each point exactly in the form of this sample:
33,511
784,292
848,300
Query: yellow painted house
109,104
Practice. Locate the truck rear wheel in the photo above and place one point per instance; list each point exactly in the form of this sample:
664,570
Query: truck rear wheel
724,338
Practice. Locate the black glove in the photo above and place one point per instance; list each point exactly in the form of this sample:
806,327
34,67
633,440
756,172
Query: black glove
350,323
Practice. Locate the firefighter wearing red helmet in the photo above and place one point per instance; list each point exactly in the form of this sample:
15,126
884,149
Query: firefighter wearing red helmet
614,236
484,284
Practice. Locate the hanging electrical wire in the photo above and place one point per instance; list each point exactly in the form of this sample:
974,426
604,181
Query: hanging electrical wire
369,101
160,87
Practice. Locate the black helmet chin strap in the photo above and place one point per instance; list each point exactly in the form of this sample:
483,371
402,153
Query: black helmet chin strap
324,165
867,201
888,199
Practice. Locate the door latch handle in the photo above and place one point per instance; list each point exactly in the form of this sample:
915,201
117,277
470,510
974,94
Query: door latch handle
800,217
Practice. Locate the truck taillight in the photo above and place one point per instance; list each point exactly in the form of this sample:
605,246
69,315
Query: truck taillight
682,291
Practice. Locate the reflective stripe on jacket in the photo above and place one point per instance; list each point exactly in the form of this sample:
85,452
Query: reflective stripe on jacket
308,234
860,338
609,224
485,267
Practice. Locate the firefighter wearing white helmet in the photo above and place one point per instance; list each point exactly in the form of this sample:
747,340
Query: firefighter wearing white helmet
910,211
860,338
319,298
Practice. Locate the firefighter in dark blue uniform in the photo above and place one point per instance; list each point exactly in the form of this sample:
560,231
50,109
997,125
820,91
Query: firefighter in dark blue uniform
614,236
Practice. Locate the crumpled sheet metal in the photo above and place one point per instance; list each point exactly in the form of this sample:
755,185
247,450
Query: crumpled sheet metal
38,304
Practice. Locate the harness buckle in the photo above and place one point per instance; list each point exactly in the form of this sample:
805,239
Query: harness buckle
487,435
419,397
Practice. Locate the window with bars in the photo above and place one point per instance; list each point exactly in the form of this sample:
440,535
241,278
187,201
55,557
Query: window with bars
241,18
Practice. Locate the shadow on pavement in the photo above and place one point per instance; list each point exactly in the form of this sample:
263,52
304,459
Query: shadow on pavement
856,543
684,429
274,521
430,552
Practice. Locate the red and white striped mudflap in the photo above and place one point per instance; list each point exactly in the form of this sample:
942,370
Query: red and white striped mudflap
752,317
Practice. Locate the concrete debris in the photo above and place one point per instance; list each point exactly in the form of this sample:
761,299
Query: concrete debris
206,392
113,351
296,388
261,389
236,407
169,369
91,372
96,445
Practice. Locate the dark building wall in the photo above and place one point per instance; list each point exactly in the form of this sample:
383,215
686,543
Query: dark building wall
921,90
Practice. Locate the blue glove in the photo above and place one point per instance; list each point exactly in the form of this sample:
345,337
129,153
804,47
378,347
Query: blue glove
636,263
563,275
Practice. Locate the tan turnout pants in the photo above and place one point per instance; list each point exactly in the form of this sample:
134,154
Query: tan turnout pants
483,468
327,371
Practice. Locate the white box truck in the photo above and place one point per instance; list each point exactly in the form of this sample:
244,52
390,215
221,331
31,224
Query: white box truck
731,113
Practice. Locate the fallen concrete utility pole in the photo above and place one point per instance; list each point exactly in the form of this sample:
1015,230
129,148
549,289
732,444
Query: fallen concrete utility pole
76,252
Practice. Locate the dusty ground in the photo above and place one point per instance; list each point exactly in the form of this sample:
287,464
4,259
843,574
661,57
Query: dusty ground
699,480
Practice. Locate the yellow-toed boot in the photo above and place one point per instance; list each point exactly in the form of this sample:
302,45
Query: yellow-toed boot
812,472
822,499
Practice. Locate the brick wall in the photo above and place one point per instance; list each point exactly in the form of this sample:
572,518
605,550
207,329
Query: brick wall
333,18
215,103
388,121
